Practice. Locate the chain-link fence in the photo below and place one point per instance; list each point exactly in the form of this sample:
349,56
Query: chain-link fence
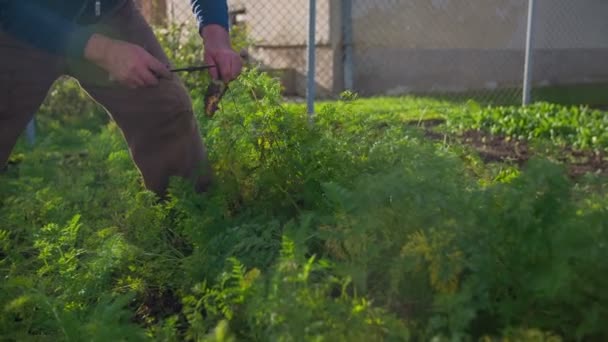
278,36
448,49
443,48
476,49
570,47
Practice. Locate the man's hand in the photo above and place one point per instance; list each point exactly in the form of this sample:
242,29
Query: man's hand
219,52
127,63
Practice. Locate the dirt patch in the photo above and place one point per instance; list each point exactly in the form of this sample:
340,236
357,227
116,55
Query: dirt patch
496,149
493,148
583,162
501,149
426,123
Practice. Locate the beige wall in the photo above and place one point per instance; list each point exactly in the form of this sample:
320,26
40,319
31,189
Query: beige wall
271,22
487,24
284,22
279,31
443,24
572,24
291,61
428,45
457,45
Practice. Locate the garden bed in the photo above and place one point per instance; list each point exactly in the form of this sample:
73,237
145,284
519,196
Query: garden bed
387,219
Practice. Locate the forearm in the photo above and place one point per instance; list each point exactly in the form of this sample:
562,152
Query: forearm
215,36
214,28
45,30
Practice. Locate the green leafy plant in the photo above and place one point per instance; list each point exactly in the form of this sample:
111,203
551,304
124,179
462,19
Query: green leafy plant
579,127
356,227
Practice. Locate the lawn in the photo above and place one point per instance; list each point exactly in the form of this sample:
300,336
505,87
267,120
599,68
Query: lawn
383,220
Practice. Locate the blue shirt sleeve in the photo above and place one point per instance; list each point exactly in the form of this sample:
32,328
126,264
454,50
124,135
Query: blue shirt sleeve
43,29
211,12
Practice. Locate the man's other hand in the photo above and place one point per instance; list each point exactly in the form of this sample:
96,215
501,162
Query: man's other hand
127,63
219,52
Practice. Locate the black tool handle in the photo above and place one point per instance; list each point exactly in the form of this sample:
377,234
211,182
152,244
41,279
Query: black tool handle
193,68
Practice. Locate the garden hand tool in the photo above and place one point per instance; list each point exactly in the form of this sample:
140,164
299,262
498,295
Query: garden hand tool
215,91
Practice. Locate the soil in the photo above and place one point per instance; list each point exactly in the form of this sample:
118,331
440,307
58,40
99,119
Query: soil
498,148
493,148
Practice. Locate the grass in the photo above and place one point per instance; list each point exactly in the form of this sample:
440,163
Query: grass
594,95
569,95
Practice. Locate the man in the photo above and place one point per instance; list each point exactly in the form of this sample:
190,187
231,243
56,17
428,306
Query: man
111,50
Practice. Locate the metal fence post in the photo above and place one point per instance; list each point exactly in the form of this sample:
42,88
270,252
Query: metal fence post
347,36
527,91
310,88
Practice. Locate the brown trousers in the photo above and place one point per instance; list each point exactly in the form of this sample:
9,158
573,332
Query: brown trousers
158,123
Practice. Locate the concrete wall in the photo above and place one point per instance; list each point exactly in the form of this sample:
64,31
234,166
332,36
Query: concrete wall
279,31
457,45
285,22
427,45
